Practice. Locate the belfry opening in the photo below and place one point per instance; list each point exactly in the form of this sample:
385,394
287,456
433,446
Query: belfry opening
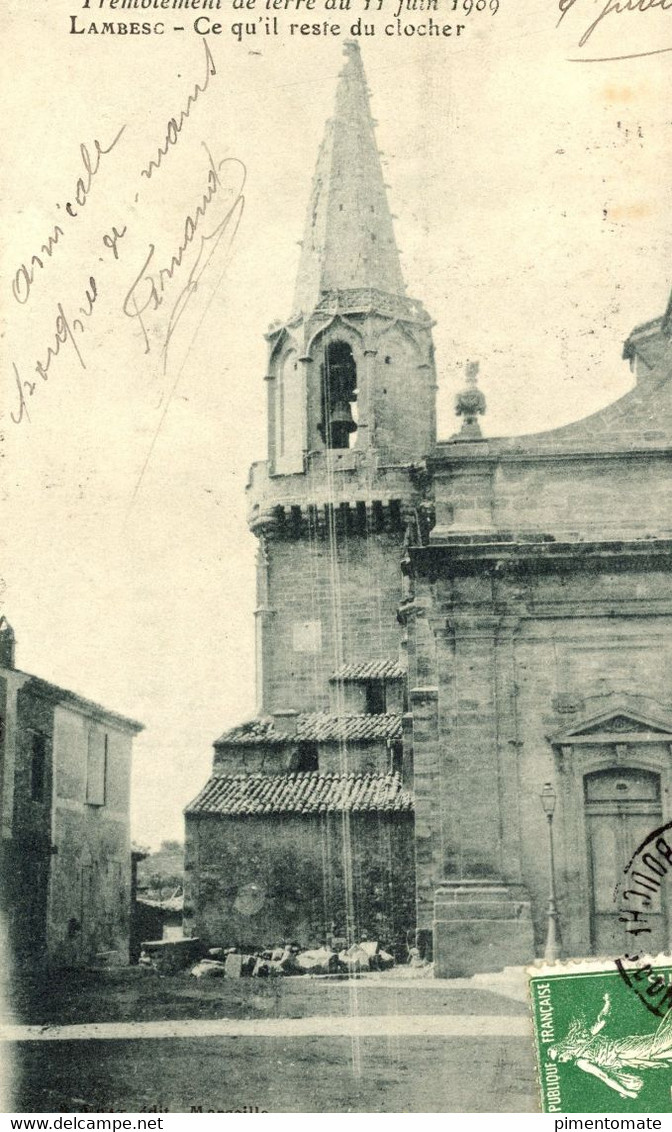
338,424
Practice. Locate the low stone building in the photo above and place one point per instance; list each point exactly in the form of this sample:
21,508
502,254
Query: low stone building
443,627
65,861
283,844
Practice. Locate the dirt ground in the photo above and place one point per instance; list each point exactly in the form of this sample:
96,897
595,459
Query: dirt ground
138,994
319,1075
274,1074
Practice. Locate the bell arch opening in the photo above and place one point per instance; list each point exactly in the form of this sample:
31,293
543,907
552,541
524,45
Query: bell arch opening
338,423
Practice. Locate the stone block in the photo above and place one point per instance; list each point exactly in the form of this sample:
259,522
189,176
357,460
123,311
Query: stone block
171,955
480,926
234,965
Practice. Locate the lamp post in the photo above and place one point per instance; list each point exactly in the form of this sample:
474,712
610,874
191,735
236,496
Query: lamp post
552,950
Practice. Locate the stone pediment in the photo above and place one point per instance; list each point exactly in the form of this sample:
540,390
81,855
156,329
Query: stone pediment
619,722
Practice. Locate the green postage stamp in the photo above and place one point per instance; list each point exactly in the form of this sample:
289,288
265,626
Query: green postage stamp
603,1032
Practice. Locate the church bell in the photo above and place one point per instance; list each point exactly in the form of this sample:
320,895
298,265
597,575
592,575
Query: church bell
341,424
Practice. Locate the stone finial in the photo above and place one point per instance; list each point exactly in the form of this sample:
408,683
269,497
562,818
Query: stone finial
470,402
7,644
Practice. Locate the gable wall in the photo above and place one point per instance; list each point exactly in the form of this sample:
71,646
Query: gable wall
91,872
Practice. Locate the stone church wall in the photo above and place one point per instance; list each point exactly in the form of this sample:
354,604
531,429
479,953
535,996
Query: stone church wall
602,498
515,656
561,664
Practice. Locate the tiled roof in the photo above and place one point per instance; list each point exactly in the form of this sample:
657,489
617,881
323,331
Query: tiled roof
370,670
319,726
312,793
324,727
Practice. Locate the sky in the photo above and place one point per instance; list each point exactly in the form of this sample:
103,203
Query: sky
533,210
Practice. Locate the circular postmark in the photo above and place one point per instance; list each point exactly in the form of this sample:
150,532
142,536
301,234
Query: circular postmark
640,898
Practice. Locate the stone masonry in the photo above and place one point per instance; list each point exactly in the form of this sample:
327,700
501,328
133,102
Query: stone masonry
469,618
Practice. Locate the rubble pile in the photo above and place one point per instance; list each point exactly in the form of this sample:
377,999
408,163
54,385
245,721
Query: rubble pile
336,957
291,959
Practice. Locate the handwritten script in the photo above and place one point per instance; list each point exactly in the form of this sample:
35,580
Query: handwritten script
209,226
611,8
24,276
225,179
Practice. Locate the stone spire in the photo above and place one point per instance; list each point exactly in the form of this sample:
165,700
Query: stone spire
348,241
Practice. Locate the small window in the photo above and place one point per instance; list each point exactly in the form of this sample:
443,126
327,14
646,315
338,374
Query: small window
37,767
375,697
624,783
96,769
397,758
305,759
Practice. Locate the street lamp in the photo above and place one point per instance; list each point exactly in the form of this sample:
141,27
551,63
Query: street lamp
552,950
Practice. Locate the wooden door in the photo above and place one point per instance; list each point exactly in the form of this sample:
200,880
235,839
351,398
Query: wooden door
622,808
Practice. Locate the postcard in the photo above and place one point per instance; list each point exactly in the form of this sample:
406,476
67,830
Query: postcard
336,622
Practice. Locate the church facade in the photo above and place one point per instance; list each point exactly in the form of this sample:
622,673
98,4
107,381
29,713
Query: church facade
443,628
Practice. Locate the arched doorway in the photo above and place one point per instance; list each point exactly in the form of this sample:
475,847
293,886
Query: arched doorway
622,807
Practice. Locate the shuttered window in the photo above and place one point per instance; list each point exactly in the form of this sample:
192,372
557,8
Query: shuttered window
96,769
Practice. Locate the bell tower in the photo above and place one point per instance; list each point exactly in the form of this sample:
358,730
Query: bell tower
351,418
